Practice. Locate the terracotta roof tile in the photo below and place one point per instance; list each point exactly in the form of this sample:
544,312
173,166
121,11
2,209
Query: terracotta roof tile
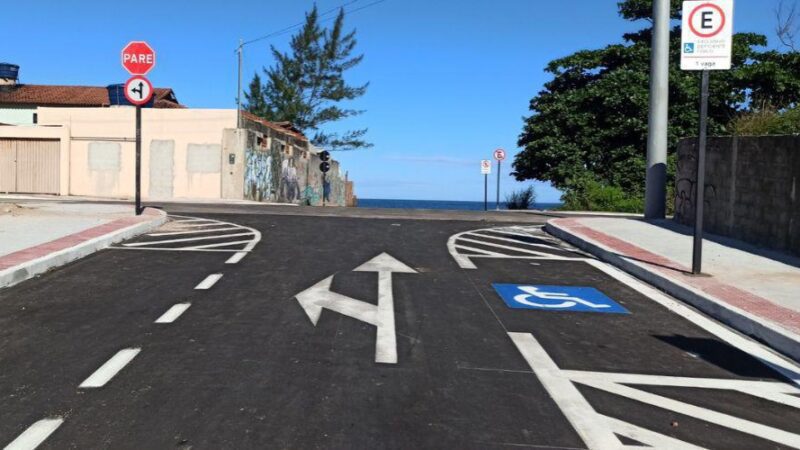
86,96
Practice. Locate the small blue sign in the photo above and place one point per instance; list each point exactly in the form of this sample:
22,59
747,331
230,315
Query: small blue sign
557,298
688,47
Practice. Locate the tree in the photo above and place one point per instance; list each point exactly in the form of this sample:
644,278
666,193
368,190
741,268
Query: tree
306,85
254,98
590,120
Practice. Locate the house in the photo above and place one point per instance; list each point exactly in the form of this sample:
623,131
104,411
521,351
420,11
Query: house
68,141
19,102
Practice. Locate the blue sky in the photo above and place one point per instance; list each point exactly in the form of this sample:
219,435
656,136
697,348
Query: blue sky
450,80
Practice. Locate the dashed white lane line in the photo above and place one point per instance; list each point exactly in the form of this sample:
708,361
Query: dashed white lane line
108,370
173,313
35,434
236,257
210,281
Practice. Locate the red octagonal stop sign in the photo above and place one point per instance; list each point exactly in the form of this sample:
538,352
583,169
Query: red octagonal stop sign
138,58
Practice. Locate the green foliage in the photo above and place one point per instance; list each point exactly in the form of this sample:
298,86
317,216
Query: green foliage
522,199
768,121
306,85
588,194
591,119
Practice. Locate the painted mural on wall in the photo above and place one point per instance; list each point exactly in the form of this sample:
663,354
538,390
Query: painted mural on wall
274,173
258,175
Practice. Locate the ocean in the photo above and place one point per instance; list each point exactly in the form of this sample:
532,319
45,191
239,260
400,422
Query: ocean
439,204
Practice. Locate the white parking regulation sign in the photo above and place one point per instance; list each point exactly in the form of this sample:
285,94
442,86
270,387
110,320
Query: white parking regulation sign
486,167
138,90
707,35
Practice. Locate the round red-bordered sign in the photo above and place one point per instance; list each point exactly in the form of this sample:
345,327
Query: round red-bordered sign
138,90
713,33
499,154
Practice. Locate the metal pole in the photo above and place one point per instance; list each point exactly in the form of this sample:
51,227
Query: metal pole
497,203
138,160
697,254
656,184
239,88
323,189
486,192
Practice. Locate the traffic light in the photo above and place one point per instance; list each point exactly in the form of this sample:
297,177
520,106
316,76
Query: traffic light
325,166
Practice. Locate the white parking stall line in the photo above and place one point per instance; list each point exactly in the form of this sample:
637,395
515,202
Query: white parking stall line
221,244
516,241
209,281
505,247
108,370
478,250
598,430
173,241
173,313
575,407
236,257
200,225
192,220
193,231
35,434
783,366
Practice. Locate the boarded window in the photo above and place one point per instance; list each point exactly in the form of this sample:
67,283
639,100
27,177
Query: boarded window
204,158
104,156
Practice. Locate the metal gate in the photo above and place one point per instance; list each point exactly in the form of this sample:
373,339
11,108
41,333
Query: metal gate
30,166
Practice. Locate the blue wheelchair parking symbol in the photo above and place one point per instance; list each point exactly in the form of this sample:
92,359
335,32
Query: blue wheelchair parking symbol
688,47
557,298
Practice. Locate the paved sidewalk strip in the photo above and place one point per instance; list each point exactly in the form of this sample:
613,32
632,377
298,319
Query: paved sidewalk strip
752,314
24,264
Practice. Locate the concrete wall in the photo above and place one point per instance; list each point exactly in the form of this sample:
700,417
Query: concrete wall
751,190
185,144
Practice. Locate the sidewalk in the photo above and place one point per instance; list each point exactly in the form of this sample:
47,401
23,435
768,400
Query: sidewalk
752,290
36,236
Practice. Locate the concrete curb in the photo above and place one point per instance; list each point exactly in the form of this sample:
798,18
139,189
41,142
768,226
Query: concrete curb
773,335
38,266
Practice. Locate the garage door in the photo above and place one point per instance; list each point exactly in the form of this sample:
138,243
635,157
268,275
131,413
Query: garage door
29,166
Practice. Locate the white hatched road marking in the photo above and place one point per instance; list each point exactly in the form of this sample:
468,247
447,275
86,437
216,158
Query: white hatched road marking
173,313
598,430
489,236
188,234
209,281
35,434
108,370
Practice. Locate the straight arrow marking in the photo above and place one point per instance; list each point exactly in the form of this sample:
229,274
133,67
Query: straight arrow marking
318,297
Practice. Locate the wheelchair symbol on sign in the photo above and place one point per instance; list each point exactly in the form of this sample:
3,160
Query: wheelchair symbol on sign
566,301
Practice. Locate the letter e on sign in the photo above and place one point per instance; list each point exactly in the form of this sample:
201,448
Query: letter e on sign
707,35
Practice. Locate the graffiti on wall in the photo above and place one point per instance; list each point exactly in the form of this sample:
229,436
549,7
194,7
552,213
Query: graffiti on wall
258,175
275,173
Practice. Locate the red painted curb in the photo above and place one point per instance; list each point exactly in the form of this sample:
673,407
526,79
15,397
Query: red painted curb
744,300
41,250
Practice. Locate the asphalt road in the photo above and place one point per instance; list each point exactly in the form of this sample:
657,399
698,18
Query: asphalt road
372,330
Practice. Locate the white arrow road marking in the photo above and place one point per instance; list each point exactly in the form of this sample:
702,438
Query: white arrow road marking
35,434
318,297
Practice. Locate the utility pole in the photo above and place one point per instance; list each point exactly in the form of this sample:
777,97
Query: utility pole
656,184
239,88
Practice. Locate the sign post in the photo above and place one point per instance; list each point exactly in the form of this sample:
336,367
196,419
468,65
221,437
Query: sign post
707,41
499,155
138,58
486,169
